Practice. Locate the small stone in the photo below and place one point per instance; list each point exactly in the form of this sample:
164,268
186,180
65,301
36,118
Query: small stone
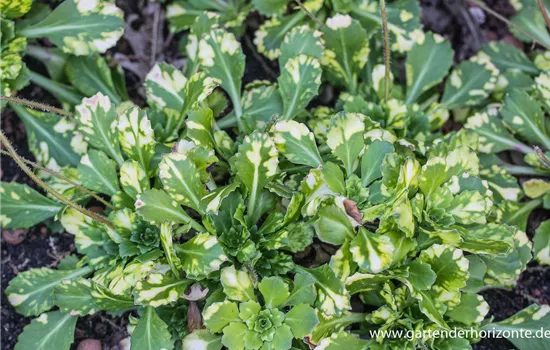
14,237
89,344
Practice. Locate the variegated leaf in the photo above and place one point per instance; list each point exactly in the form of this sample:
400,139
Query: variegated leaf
345,138
255,164
181,179
427,64
237,284
32,292
52,330
506,56
372,252
74,297
469,84
541,243
98,120
471,310
346,52
97,172
89,235
301,40
298,83
332,296
165,88
23,207
156,206
333,225
222,58
160,289
133,178
136,136
201,255
296,143
15,8
50,137
81,27
202,339
214,199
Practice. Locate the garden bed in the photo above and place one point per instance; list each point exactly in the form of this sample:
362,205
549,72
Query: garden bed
42,247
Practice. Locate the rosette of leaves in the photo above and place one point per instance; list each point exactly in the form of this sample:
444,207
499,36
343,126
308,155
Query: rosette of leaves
219,54
271,319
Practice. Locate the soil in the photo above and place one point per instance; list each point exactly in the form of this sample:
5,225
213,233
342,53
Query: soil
466,26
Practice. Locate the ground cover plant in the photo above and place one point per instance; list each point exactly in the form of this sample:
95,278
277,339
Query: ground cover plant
216,214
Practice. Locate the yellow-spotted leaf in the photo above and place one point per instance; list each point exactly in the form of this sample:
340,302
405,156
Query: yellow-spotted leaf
81,27
332,296
52,330
23,207
427,64
15,8
301,40
160,289
32,292
74,297
133,178
237,284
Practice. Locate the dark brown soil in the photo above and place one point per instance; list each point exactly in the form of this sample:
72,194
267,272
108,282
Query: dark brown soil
465,26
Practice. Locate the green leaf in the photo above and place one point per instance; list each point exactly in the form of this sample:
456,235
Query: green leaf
345,138
90,75
471,310
32,292
469,84
274,290
200,126
372,252
298,83
136,136
49,137
296,143
237,284
541,243
332,296
333,226
530,20
491,238
421,276
301,40
271,7
524,115
506,56
221,57
107,300
302,319
427,64
234,335
181,179
344,340
80,28
476,270
346,51
334,177
372,159
201,339
201,255
52,330
160,289
218,315
332,324
23,207
255,164
429,308
303,290
97,120
156,206
533,319
97,172
74,297
151,333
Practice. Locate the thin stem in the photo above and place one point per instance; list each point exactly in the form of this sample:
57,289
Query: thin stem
321,25
386,37
66,179
37,105
46,187
544,13
505,20
542,157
